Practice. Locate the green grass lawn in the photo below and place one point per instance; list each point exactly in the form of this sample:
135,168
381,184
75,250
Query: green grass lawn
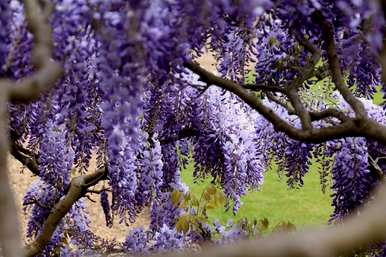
274,201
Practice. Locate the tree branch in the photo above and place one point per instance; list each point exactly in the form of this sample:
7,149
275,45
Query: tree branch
328,113
48,71
10,241
351,127
316,135
300,109
314,115
27,160
285,105
77,189
335,70
184,133
264,88
307,73
26,90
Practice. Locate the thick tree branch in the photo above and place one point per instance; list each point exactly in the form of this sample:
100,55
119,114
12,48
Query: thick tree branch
77,189
351,127
10,241
47,70
25,90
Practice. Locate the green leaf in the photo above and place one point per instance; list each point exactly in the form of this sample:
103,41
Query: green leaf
221,198
187,197
263,225
182,224
195,202
175,197
211,206
206,195
211,189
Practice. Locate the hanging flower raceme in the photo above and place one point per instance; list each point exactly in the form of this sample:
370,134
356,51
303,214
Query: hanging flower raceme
56,157
121,80
5,32
352,179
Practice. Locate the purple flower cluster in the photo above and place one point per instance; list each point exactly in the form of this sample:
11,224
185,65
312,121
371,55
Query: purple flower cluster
56,158
5,32
167,238
164,212
137,241
151,175
38,203
39,200
278,51
352,179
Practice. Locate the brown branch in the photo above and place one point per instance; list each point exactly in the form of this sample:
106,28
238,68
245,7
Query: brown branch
23,91
285,105
34,201
351,127
78,188
183,133
10,241
98,191
314,115
334,66
47,70
299,107
374,167
20,154
305,74
329,113
264,88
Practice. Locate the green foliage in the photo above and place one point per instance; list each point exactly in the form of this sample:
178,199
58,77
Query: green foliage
378,97
196,208
250,78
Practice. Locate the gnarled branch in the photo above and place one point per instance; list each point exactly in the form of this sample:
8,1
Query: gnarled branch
47,70
350,127
23,91
77,189
334,65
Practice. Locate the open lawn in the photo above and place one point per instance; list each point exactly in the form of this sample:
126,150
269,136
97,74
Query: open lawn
275,201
